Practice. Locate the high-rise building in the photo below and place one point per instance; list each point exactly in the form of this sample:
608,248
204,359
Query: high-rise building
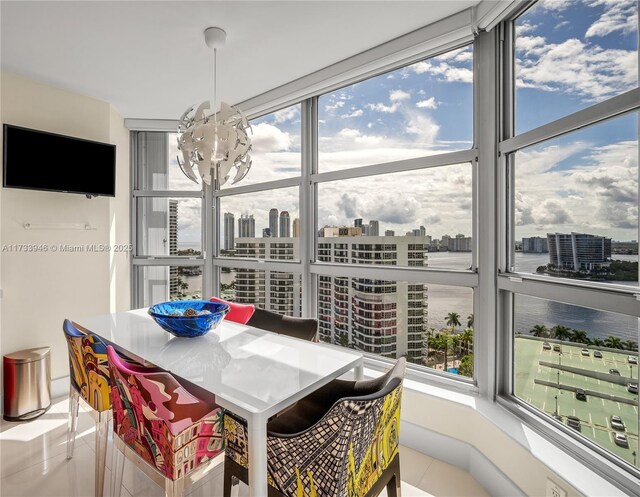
174,279
246,226
273,222
296,228
389,233
460,243
374,228
229,231
578,251
535,244
272,290
423,231
266,232
285,225
381,317
357,223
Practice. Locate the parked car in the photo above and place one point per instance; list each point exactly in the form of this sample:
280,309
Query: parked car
546,346
616,423
556,347
632,387
621,440
574,422
614,371
580,394
597,353
585,352
633,359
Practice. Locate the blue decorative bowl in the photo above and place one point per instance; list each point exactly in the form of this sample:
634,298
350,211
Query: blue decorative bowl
174,316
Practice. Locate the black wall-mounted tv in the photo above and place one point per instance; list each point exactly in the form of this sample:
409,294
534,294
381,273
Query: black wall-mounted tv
37,160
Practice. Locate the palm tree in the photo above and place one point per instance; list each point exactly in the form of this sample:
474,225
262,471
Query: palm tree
579,336
561,332
467,336
598,342
613,342
428,338
630,345
439,344
453,320
540,330
470,321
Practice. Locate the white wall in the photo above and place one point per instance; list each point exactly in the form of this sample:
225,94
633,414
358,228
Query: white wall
40,289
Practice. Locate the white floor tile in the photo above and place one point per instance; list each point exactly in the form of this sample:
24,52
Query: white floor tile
33,464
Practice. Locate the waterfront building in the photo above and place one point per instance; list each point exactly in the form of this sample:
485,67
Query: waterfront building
578,251
229,231
382,317
535,245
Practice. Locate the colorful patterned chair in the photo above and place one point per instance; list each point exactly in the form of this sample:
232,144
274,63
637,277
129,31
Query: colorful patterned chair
176,429
89,380
340,441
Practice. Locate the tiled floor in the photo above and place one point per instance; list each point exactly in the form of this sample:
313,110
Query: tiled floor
33,464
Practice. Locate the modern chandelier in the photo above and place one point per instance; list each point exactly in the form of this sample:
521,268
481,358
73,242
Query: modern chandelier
213,141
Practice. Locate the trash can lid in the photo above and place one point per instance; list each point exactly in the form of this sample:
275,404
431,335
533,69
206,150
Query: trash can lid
28,355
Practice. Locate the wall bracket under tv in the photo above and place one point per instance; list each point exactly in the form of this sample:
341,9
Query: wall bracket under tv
38,160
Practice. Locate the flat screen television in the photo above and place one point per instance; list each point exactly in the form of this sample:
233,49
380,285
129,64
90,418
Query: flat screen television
37,160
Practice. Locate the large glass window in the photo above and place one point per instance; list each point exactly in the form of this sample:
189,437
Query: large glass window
580,366
415,218
432,325
422,109
572,54
275,147
573,231
576,204
157,284
169,226
261,225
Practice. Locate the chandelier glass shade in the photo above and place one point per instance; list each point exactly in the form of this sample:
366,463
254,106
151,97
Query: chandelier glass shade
214,144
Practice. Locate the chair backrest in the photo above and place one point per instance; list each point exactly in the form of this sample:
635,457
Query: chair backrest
88,368
303,328
172,427
347,450
238,313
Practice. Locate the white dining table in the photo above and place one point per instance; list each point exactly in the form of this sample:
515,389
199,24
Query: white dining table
252,372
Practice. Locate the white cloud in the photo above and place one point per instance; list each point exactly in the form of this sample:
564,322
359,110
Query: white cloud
619,15
287,114
337,105
599,195
575,68
354,113
356,137
423,126
396,97
268,138
429,103
555,4
445,71
399,96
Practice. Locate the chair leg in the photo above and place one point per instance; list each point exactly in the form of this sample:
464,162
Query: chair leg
173,488
102,432
117,468
393,486
72,427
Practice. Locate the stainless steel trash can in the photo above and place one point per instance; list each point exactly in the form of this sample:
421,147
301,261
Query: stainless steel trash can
27,383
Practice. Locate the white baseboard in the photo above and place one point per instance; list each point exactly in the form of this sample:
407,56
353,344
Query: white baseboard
461,455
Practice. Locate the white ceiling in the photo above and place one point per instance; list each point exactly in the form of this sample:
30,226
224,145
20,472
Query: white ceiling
148,58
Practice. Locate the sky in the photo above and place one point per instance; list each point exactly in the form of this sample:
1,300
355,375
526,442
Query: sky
570,54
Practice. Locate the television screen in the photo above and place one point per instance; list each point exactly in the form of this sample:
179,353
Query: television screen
36,160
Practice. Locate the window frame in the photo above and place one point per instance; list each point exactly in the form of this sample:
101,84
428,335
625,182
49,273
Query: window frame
601,296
